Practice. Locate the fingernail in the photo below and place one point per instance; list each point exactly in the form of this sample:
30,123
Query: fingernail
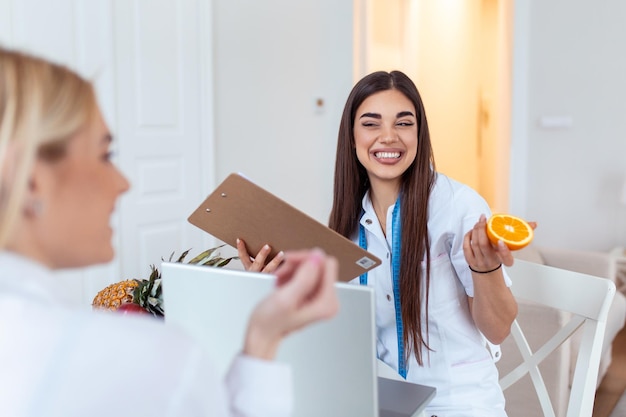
266,247
238,240
280,254
316,256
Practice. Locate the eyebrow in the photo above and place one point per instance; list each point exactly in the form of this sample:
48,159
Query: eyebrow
378,116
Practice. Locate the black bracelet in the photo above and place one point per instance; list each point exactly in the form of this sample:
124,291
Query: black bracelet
485,272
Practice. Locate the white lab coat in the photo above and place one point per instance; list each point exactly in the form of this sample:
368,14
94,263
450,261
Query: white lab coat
459,365
60,362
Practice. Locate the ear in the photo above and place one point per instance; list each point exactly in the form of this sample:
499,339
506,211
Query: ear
34,194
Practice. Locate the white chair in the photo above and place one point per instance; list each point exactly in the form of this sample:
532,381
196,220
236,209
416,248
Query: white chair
587,298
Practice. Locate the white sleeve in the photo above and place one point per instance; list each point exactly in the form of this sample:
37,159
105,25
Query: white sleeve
258,388
469,205
252,388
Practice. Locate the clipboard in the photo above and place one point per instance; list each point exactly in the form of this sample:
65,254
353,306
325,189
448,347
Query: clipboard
238,208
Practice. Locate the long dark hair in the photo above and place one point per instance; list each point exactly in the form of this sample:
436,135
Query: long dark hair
351,184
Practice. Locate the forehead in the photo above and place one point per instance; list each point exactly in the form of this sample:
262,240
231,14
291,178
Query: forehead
388,101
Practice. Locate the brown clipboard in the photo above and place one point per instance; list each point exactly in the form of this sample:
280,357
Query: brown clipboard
238,208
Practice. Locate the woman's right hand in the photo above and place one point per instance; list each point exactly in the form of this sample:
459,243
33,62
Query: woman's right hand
257,264
305,293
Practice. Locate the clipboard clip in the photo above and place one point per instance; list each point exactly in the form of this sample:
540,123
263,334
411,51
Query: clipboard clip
208,210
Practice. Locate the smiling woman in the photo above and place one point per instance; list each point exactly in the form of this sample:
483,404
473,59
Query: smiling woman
440,291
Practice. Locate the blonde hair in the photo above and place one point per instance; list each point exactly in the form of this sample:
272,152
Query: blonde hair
42,105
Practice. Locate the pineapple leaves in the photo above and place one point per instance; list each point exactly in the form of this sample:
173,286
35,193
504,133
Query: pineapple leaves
218,262
149,292
208,258
154,274
204,255
181,258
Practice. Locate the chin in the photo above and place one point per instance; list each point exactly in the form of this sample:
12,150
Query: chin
100,257
108,256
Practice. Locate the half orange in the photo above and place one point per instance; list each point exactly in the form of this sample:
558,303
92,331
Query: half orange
514,231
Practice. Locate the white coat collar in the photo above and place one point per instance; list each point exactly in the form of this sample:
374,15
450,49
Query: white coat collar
370,221
23,277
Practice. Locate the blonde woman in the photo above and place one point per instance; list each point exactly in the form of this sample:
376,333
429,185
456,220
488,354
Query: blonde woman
58,189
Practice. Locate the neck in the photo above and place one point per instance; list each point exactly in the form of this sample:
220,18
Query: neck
383,195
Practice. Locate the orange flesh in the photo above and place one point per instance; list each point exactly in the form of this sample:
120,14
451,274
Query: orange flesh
515,232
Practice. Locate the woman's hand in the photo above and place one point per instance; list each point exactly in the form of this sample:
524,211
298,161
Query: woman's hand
480,253
257,264
305,293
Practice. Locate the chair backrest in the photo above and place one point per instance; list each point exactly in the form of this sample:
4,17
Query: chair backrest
587,299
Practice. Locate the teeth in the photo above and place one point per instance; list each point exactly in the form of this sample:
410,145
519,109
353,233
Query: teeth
387,155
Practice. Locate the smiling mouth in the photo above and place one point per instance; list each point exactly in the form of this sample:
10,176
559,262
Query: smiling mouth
387,155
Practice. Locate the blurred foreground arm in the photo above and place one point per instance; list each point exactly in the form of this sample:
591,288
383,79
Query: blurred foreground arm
305,293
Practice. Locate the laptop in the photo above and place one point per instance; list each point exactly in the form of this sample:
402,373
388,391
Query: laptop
333,362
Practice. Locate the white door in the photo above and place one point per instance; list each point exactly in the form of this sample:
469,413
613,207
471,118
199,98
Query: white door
163,126
150,63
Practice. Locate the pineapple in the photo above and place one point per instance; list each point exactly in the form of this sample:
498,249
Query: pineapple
113,296
148,293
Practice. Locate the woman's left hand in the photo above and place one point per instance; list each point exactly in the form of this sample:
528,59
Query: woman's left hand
258,263
480,253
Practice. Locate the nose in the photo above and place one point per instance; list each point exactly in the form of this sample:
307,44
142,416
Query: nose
123,184
388,135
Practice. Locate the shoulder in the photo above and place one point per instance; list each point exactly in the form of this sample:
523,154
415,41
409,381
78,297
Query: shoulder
447,191
104,335
97,353
453,208
137,330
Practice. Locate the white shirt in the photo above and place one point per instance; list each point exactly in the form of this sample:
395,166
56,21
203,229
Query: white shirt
459,365
59,362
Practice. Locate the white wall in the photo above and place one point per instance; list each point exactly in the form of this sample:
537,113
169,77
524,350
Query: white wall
569,61
272,60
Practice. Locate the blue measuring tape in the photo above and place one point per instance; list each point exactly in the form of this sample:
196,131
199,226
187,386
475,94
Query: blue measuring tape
396,239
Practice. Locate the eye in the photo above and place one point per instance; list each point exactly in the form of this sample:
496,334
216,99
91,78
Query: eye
368,123
405,123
